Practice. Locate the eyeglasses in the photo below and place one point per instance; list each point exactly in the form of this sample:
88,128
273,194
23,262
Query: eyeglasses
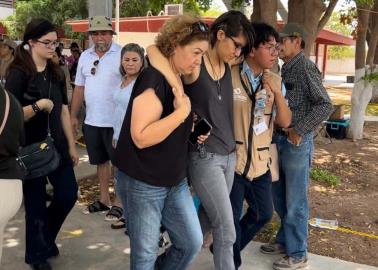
49,44
237,45
199,26
93,69
272,48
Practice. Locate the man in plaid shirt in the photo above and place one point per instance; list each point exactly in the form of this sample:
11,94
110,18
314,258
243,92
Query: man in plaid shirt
310,105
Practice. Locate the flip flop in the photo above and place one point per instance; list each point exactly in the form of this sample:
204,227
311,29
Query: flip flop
96,206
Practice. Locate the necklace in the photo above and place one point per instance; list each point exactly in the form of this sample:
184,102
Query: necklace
44,74
217,77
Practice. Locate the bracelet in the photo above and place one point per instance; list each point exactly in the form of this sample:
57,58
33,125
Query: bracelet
35,108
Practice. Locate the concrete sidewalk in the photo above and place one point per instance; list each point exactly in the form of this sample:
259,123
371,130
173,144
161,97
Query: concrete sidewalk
88,242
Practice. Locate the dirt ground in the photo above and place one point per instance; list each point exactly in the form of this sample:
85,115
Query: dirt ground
353,203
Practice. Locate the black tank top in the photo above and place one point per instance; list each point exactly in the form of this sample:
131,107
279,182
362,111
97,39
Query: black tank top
215,103
163,164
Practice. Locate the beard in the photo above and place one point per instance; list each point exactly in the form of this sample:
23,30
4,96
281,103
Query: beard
102,46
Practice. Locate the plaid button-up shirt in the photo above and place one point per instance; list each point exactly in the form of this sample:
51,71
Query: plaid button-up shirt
308,99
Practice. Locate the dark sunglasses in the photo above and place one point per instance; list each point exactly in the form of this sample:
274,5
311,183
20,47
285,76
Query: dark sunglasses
93,69
199,27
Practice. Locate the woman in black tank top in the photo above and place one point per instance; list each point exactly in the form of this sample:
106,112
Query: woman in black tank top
211,165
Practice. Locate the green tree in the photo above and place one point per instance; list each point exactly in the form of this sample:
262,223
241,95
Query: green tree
335,24
132,8
57,11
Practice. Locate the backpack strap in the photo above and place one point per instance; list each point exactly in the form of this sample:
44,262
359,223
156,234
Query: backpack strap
6,113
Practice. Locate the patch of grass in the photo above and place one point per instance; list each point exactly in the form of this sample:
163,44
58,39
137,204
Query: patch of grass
371,110
324,176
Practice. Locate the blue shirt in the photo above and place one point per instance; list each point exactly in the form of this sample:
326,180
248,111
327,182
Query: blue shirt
255,81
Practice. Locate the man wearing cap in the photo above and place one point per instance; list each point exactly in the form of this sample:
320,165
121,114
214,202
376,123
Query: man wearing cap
97,74
7,49
310,105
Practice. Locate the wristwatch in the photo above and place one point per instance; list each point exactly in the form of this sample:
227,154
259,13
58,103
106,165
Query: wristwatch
35,108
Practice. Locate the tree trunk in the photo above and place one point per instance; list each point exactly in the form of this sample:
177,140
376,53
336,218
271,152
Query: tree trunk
296,11
363,20
228,4
256,14
361,96
308,13
265,11
362,89
374,95
373,40
269,12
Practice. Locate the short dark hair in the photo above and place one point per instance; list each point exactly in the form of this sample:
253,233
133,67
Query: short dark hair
233,23
263,33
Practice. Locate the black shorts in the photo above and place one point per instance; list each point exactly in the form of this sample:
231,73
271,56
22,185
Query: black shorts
99,143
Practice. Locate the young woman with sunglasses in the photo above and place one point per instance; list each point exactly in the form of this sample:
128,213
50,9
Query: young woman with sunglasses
39,86
212,164
151,155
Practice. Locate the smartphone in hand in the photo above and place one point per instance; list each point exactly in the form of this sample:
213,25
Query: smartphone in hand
202,127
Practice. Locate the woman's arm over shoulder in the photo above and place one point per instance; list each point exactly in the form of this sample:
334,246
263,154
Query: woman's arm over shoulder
161,63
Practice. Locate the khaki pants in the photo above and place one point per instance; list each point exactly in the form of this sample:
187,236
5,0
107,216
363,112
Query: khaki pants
10,202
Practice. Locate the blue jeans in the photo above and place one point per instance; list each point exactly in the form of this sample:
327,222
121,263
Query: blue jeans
290,194
212,177
146,207
258,195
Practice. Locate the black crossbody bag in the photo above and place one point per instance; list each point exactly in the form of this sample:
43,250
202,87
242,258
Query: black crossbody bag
41,158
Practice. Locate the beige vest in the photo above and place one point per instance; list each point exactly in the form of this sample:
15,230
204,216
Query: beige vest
252,151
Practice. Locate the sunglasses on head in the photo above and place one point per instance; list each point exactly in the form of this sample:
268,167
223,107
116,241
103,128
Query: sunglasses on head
93,69
199,27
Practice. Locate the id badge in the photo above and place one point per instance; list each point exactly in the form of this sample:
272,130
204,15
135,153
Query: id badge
260,128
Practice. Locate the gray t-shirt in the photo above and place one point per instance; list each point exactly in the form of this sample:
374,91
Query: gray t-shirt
214,102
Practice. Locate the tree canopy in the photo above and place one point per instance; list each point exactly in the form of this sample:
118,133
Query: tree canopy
57,11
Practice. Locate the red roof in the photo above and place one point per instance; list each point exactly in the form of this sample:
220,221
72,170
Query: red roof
154,23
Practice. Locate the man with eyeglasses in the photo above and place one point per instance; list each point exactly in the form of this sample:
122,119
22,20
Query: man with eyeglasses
310,105
97,74
258,103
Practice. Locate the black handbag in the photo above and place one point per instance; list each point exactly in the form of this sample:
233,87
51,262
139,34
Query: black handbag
41,158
